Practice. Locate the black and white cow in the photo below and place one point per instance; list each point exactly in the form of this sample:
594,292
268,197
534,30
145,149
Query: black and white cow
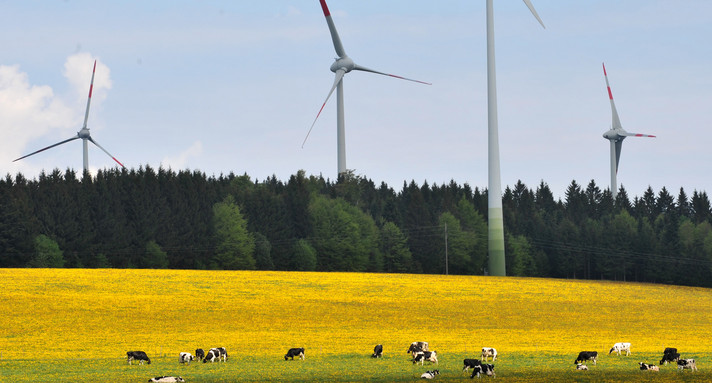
417,347
137,355
470,363
670,357
377,351
487,369
582,366
167,379
199,354
292,352
619,348
430,374
422,356
185,357
648,367
212,356
586,355
221,353
689,364
488,352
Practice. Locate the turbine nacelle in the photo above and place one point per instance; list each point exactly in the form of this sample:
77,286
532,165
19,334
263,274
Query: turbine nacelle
613,134
344,63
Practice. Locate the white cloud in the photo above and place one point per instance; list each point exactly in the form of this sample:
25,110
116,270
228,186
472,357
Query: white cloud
180,161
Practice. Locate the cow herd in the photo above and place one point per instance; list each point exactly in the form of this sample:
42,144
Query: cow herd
421,354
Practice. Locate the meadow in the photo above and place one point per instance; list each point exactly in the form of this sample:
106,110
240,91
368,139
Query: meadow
69,325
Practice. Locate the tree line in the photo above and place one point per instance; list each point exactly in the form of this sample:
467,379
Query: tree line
160,218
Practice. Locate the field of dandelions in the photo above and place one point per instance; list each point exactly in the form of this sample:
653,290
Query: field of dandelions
70,325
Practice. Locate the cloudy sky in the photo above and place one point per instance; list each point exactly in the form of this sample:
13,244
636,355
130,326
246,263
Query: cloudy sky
233,86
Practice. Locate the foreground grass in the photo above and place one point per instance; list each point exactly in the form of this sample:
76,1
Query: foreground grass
76,325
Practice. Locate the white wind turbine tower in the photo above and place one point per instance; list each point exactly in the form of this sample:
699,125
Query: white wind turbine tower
494,188
343,64
83,134
616,135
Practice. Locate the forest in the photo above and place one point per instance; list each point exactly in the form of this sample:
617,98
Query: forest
161,218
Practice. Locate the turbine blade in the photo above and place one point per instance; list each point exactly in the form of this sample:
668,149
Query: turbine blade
531,8
616,119
91,88
339,76
364,69
109,154
332,28
49,147
635,134
619,146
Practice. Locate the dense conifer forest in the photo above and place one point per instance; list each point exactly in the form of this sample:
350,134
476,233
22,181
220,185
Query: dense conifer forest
160,218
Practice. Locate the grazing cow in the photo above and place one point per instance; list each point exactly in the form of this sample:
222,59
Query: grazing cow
185,357
487,369
167,379
489,352
417,347
292,352
669,350
586,355
137,355
221,353
670,357
582,367
430,374
422,356
199,354
620,347
377,351
470,363
689,364
648,367
212,356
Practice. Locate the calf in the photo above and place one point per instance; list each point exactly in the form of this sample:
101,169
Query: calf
582,367
377,351
417,347
199,354
586,355
487,369
648,367
137,355
620,347
430,374
292,352
167,379
470,363
489,352
422,356
689,364
670,357
185,357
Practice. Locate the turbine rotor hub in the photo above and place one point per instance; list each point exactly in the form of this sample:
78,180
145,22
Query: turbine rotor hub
345,63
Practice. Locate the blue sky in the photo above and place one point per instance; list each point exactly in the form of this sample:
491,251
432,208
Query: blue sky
225,86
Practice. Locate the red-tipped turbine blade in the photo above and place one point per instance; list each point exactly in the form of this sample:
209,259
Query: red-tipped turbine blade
49,147
332,29
635,134
107,153
91,88
364,69
339,76
616,119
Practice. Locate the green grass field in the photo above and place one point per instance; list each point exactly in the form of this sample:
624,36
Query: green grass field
76,326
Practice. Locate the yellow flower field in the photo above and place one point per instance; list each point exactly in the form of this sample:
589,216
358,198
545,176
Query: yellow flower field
104,313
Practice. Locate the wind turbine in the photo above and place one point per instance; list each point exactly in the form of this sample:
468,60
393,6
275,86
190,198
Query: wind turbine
616,135
495,218
343,64
83,133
